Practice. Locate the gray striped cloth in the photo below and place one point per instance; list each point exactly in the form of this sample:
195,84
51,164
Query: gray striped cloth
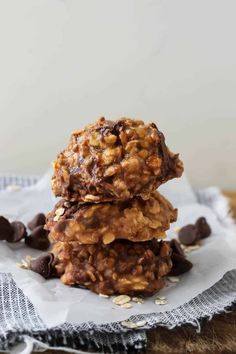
19,319
25,181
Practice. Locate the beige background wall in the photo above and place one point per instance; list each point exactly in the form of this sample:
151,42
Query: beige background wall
64,63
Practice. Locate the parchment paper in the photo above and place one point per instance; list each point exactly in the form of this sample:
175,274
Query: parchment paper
57,303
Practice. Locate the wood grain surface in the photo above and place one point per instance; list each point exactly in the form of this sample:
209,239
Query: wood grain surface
217,336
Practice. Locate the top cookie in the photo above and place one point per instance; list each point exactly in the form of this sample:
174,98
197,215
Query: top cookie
114,160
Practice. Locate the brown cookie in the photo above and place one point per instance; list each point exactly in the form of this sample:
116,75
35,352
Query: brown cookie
122,267
134,220
108,161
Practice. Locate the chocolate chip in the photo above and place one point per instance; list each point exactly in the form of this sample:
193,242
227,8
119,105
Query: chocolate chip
19,232
180,265
117,127
203,227
38,239
5,228
39,219
176,248
43,265
189,235
153,125
164,149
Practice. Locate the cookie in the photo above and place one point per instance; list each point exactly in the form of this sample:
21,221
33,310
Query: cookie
114,160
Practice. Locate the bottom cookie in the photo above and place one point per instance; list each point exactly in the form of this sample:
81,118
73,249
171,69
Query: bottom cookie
122,267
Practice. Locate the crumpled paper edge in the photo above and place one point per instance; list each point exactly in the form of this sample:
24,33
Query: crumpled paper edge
186,313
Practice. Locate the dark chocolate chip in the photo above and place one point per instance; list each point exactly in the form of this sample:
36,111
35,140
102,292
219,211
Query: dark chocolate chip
203,227
176,248
19,232
180,265
5,228
117,127
43,265
155,246
189,235
38,239
39,219
165,154
153,125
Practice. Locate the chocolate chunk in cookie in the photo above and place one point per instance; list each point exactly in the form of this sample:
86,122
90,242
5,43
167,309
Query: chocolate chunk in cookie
176,247
114,161
180,265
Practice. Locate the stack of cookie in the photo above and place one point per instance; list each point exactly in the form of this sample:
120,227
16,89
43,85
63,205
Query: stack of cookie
107,232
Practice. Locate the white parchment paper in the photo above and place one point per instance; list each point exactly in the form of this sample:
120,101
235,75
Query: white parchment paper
57,303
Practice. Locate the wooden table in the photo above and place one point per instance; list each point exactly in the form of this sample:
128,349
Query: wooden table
218,336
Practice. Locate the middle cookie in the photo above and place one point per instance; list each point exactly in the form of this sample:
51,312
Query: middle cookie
135,220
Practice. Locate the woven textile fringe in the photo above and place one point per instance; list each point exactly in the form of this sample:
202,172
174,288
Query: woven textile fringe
20,181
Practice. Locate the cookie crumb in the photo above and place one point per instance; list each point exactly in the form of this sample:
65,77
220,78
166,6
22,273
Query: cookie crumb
141,323
189,249
103,295
138,300
161,300
121,300
173,279
25,263
127,305
129,324
132,325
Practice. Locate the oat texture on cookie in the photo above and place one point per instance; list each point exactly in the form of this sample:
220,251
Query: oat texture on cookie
107,231
114,160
